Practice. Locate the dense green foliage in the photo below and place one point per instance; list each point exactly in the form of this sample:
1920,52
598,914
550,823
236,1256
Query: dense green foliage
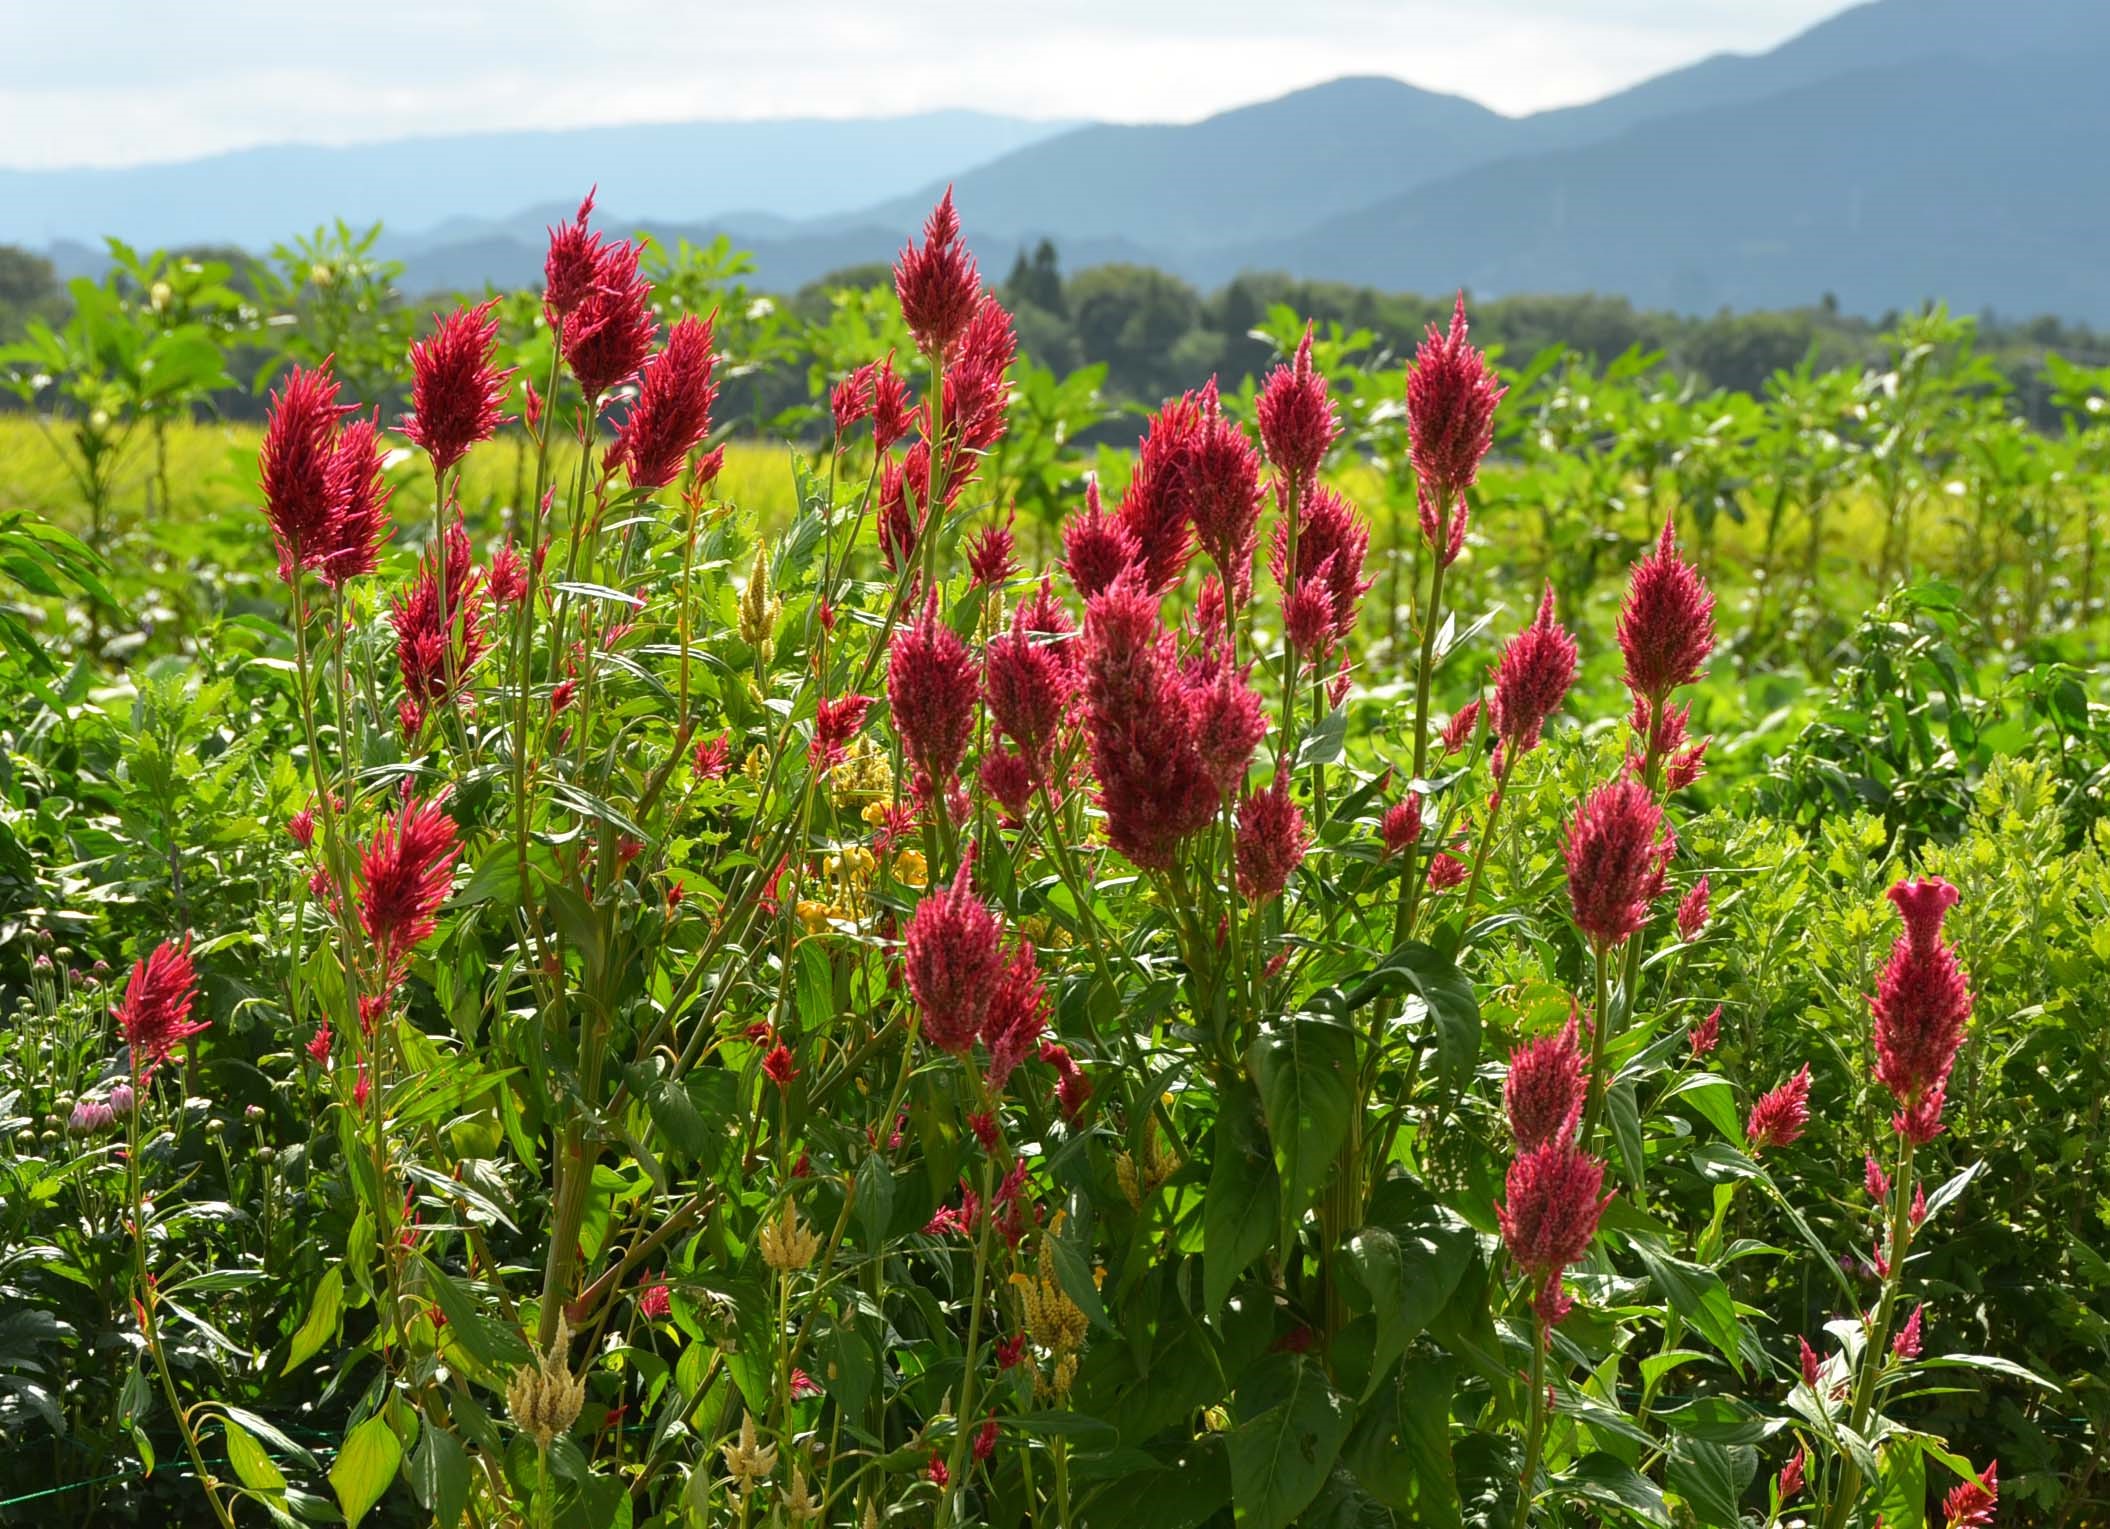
659,1070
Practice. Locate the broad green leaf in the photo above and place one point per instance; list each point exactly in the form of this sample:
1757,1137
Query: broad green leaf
439,1475
364,1467
1695,1293
1901,1486
251,1465
1711,1478
1603,1478
325,1312
1400,1450
1305,1067
1291,1428
1453,1012
1243,1206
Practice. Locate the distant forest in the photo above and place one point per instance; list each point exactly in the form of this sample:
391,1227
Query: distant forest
1155,333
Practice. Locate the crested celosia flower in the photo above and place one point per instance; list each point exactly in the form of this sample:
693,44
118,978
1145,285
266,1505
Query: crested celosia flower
1154,783
508,578
1906,1345
1271,841
1685,766
891,412
1027,678
1400,828
1873,1178
1451,399
713,757
1616,850
850,400
1154,508
954,962
1970,1504
1458,732
931,686
1228,717
456,385
672,413
1006,775
654,1302
1018,1013
1097,547
1296,416
1332,541
1791,1474
1707,1034
1549,1213
1223,494
439,622
303,475
572,266
1780,1114
1543,1093
834,724
154,1014
300,828
1921,1005
405,873
1446,870
351,547
989,555
1666,625
937,282
608,335
1692,912
1531,679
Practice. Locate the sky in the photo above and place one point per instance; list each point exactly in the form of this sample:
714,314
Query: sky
104,82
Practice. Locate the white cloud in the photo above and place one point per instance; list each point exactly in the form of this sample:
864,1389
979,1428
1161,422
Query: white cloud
107,82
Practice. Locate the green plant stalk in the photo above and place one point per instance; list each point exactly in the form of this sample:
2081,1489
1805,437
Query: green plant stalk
1877,1346
1600,1030
964,1417
1410,902
1487,838
1535,1427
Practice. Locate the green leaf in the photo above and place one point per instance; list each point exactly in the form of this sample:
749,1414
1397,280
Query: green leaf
1244,1201
1604,1478
489,1343
1400,1450
1447,995
1712,1478
1901,1486
1305,1067
365,1466
325,1313
1715,1100
1291,1430
254,1468
875,1201
439,1475
1695,1293
1997,1365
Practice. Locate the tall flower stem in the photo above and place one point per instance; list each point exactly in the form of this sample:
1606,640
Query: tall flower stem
1487,837
1410,901
1877,1346
1600,1031
1535,1426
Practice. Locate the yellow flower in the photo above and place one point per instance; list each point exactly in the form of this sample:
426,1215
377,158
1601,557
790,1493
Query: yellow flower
814,915
910,868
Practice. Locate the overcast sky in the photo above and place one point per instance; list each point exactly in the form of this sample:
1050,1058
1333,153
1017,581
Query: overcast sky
106,82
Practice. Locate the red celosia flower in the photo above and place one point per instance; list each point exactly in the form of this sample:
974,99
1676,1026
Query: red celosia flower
562,695
1006,775
1543,1093
154,1014
779,1066
1451,399
1154,782
405,873
677,890
1097,547
572,267
1446,870
937,282
654,1301
1154,508
1666,626
953,962
1296,416
956,1220
1458,732
300,828
1707,1034
362,1090
1906,1345
440,622
1780,1115
1692,912
803,1386
1401,826
989,557
712,757
1918,1212
931,686
508,579
1445,533
1271,841
351,547
1331,544
303,475
1223,494
977,390
1228,720
1616,852
1921,1005
890,405
1017,1014
835,723
1307,616
1970,1504
1010,1350
1685,766
1532,678
319,1045
1550,1210
985,1440
939,1473
1073,1090
456,386
1791,1474
672,414
1810,1362
1028,677
607,336
1873,1178
850,400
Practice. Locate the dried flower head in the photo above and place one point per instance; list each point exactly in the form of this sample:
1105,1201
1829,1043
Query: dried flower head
748,1461
787,1243
543,1398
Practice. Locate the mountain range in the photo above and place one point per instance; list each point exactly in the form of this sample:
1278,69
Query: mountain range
1899,151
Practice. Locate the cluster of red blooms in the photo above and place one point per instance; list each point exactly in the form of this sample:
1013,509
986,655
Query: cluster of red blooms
154,1014
1550,1209
405,873
1451,399
1921,1005
965,989
440,627
323,492
1531,680
456,389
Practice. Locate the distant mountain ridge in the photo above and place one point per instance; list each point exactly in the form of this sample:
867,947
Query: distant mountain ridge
1898,151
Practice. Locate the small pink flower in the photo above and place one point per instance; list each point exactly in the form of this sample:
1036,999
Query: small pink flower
1692,912
1791,1474
1906,1345
300,828
1707,1034
654,1301
1781,1114
1970,1504
1400,829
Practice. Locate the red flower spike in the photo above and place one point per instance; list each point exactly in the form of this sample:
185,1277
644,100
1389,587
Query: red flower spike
1543,1093
1666,626
1791,1474
571,268
953,962
1446,871
1810,1362
890,405
1451,398
434,654
606,337
1005,775
985,1440
989,555
1016,1017
1434,528
655,1303
1707,1034
937,1471
301,470
351,548
672,413
154,1014
1549,1212
1271,841
1229,720
1458,732
1296,416
1332,542
300,828
1780,1115
931,687
1028,679
1616,851
1692,912
405,873
1223,495
1155,507
319,1046
1906,1345
1921,1006
1401,827
850,400
712,758
779,1066
936,281
1097,547
1532,678
456,387
1970,1504
1874,1179
835,723
508,578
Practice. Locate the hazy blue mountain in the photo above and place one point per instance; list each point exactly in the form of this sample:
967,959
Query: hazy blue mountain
254,197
